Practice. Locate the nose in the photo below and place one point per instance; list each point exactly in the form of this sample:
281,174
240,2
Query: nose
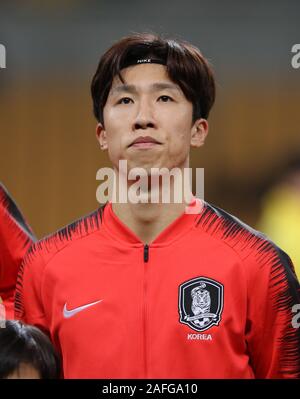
144,117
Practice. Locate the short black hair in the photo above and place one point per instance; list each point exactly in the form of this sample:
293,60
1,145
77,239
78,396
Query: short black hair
185,65
21,343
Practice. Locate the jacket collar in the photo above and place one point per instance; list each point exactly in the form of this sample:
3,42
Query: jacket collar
180,226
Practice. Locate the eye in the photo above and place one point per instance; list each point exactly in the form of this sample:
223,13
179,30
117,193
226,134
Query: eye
165,98
124,100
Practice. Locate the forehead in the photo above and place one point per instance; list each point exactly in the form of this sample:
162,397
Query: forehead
25,371
143,76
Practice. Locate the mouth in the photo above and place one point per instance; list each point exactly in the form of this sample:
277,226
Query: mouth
144,142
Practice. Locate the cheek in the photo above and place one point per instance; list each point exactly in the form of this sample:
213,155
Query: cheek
179,127
114,146
114,127
179,138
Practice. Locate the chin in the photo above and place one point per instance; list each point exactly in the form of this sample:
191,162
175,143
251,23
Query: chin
144,162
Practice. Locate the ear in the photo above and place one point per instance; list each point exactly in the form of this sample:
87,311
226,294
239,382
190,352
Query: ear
199,132
101,136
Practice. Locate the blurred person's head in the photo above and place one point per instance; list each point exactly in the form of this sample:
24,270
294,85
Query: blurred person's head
26,352
149,86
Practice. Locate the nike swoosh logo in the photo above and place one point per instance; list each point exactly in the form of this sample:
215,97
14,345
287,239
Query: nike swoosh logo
70,313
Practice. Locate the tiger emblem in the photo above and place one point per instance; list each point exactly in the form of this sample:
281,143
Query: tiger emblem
201,304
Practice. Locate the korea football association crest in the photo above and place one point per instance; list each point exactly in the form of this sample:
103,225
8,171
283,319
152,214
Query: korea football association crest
201,303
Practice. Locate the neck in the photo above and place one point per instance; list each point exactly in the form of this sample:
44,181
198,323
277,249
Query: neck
148,219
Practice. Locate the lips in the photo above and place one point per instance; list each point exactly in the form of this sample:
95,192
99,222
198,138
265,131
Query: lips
144,140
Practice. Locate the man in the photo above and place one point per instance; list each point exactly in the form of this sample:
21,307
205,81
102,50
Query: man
15,239
160,290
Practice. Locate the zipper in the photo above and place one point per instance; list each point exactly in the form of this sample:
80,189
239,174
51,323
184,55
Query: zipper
146,253
146,258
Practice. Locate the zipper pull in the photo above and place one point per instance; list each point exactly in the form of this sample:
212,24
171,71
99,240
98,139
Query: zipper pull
146,252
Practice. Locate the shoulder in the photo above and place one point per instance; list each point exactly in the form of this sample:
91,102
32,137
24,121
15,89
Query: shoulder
31,271
252,246
227,228
12,222
49,246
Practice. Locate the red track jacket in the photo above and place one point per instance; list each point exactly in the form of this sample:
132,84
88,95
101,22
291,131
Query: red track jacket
15,239
208,298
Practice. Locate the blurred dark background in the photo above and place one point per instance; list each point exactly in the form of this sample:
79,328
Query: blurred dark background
49,155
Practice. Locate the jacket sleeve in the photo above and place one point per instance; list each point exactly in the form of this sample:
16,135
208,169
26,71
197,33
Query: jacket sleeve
15,239
28,300
272,336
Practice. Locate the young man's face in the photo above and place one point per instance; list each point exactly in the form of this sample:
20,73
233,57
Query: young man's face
150,108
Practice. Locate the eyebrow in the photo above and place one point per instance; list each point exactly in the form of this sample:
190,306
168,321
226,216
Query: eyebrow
154,87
